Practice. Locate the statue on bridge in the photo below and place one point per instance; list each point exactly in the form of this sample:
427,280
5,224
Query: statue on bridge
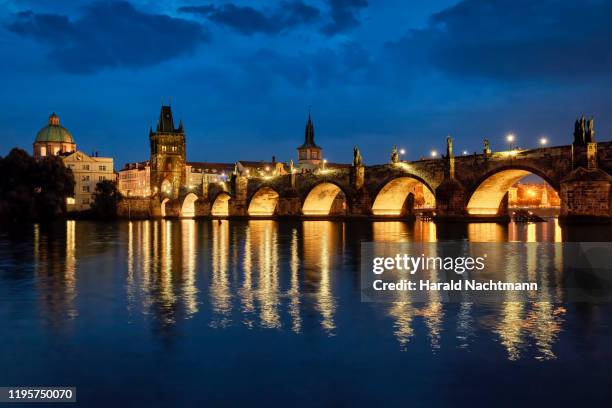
291,166
589,136
357,160
486,149
449,147
394,155
583,131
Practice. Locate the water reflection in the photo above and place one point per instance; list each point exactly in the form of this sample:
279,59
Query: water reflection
299,277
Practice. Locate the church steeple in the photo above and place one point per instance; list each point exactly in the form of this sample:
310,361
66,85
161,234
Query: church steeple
309,132
309,154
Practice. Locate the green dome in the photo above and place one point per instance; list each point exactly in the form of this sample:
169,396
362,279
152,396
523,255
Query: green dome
54,132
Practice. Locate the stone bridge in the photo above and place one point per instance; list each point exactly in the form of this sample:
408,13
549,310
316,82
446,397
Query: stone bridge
462,188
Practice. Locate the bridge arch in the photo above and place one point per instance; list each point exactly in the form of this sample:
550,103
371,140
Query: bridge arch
325,198
391,198
188,207
220,207
263,202
486,194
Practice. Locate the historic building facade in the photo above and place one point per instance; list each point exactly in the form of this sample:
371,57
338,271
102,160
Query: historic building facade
53,139
88,172
168,155
134,180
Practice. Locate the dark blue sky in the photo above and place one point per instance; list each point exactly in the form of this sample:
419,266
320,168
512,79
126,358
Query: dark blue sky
242,74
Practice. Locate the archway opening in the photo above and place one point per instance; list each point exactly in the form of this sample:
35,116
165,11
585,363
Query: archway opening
220,207
188,207
401,195
166,187
325,199
263,203
524,189
163,206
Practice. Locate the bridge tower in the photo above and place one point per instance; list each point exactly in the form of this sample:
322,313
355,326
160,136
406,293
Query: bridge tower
167,155
309,154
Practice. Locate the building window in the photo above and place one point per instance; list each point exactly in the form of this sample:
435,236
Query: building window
69,200
101,178
43,151
86,167
86,189
102,168
85,178
71,166
302,155
85,201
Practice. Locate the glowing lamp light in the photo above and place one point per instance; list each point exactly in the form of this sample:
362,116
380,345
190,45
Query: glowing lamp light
543,141
465,152
325,161
267,168
510,138
402,151
434,153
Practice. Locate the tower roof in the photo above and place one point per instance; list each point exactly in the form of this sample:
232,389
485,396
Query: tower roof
309,135
54,132
166,121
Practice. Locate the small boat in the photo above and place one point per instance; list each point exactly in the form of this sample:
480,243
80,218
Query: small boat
526,216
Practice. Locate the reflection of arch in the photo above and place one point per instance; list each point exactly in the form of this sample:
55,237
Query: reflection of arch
490,189
220,206
263,203
391,198
188,207
163,206
325,199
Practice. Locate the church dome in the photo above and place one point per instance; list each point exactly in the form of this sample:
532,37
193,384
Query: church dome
53,132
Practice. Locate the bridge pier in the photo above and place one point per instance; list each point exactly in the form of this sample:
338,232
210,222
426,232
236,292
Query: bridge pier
585,197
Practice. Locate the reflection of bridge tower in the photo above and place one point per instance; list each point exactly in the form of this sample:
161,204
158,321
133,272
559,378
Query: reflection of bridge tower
167,155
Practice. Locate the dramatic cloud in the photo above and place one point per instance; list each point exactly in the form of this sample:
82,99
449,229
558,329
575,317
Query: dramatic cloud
349,64
344,15
109,34
514,39
248,21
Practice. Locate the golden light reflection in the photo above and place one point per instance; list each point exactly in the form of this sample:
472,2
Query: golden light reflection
294,290
265,244
220,293
319,240
402,313
189,290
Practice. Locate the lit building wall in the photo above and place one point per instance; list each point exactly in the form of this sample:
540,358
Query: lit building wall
88,172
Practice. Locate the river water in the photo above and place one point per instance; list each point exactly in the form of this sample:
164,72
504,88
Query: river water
188,313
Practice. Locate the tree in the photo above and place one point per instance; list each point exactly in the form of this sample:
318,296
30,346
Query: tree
33,189
106,198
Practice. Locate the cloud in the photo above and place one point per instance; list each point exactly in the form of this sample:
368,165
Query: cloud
109,34
248,21
513,40
349,64
344,15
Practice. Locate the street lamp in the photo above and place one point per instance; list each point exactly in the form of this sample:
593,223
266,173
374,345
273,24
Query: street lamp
434,153
510,139
543,141
402,151
465,152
